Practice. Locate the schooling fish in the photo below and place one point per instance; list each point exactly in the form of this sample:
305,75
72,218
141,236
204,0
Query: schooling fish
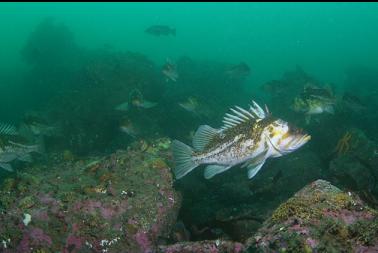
129,128
238,71
135,100
170,71
248,137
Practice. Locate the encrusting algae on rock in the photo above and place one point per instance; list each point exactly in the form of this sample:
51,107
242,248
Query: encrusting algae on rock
124,205
319,218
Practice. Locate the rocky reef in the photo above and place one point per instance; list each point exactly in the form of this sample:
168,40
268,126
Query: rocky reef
217,246
120,203
319,218
126,202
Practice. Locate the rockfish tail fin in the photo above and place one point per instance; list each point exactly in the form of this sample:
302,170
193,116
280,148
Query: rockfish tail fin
182,154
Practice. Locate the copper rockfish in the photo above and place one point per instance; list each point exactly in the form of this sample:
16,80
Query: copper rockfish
248,137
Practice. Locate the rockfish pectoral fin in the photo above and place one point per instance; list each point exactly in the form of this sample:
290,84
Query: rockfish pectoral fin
184,161
253,169
203,136
260,158
212,170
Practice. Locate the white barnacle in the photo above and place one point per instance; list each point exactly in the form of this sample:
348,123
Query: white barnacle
27,219
4,244
88,244
104,242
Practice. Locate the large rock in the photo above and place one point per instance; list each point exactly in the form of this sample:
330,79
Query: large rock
217,246
355,162
319,218
121,203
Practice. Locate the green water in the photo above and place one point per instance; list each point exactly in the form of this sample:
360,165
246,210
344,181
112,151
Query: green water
323,38
66,69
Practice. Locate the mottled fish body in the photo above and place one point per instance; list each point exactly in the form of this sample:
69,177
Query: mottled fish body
16,151
248,137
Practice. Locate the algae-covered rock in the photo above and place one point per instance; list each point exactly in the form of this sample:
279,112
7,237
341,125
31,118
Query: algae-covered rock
218,246
121,203
354,164
319,218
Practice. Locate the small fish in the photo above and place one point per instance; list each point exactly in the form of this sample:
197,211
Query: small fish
16,151
248,137
170,71
313,106
353,102
128,127
193,106
40,129
190,105
159,30
238,71
135,100
274,87
313,92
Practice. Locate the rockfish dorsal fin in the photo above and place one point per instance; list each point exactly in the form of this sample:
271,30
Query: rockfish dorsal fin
240,115
203,136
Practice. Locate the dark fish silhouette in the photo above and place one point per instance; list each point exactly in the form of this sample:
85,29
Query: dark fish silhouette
158,30
239,70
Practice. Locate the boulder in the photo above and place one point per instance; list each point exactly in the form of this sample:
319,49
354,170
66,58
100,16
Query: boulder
123,202
319,218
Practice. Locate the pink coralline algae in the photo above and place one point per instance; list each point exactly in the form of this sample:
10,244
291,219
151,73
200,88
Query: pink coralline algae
73,243
238,248
108,212
320,216
72,210
311,243
143,241
213,249
220,246
347,216
40,215
299,229
39,237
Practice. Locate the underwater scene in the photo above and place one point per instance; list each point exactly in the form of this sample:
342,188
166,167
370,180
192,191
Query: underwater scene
188,127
